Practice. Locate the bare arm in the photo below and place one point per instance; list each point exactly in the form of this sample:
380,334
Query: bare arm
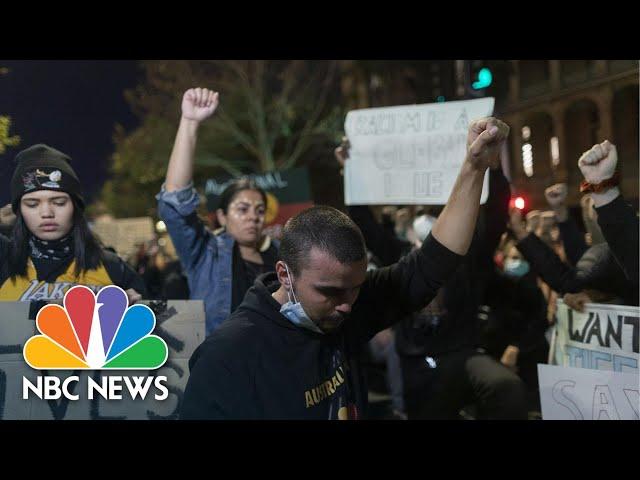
198,104
456,224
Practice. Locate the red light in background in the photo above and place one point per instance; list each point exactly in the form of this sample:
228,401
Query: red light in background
517,202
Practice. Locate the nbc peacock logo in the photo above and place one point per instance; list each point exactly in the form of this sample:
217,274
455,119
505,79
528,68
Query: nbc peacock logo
95,332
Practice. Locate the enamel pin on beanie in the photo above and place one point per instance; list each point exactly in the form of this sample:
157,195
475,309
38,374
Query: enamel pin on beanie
41,167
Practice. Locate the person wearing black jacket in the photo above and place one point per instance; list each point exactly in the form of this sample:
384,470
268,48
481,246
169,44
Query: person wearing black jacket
607,271
442,367
617,220
514,330
596,270
51,247
292,348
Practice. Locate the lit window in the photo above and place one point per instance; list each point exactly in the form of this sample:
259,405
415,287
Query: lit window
527,159
555,151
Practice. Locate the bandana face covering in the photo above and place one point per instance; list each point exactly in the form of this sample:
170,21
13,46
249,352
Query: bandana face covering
50,249
49,255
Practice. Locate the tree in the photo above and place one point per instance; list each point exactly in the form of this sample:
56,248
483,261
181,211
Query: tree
6,140
273,115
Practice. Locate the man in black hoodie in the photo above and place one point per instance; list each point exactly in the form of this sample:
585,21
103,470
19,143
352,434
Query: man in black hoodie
292,348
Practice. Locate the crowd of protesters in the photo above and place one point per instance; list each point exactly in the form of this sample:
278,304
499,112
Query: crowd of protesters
454,304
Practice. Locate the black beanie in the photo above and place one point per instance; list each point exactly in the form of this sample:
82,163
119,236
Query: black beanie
41,167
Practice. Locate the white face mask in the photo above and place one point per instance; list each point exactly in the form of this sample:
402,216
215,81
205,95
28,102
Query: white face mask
293,311
422,225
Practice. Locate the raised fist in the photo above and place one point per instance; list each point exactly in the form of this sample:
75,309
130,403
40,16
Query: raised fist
484,142
599,163
198,104
556,195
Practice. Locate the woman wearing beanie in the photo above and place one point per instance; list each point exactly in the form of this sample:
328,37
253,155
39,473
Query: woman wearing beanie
223,265
51,247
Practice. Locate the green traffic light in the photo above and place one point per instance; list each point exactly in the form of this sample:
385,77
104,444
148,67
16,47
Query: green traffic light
484,79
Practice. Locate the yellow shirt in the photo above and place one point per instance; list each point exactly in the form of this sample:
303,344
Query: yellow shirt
28,288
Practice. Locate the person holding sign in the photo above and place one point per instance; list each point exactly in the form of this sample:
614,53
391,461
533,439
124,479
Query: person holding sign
51,247
220,266
292,348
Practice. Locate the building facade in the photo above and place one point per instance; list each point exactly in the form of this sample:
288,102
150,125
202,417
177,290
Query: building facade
557,109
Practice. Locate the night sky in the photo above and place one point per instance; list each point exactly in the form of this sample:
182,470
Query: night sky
70,105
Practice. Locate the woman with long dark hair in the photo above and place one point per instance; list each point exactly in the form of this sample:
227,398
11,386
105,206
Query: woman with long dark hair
222,265
51,247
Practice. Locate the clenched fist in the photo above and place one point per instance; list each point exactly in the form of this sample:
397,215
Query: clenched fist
599,163
484,142
198,104
556,195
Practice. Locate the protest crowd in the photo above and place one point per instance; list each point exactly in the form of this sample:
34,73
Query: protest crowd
377,311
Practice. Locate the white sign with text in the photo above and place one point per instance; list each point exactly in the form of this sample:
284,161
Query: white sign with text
603,337
568,393
409,155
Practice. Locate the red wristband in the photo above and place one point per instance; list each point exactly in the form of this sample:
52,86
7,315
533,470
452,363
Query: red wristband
586,187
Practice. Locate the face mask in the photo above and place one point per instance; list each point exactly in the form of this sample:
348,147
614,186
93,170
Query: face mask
422,225
516,267
293,311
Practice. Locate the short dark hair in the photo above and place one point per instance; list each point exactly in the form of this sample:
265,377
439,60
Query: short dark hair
235,188
325,228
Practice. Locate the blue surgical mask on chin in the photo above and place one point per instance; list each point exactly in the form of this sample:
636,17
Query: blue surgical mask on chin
293,311
516,267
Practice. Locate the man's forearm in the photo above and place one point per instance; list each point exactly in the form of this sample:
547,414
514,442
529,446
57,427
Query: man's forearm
180,170
456,224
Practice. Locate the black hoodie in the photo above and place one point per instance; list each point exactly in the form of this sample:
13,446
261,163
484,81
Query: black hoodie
258,365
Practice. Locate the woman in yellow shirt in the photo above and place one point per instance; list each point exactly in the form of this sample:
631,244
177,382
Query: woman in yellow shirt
51,247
